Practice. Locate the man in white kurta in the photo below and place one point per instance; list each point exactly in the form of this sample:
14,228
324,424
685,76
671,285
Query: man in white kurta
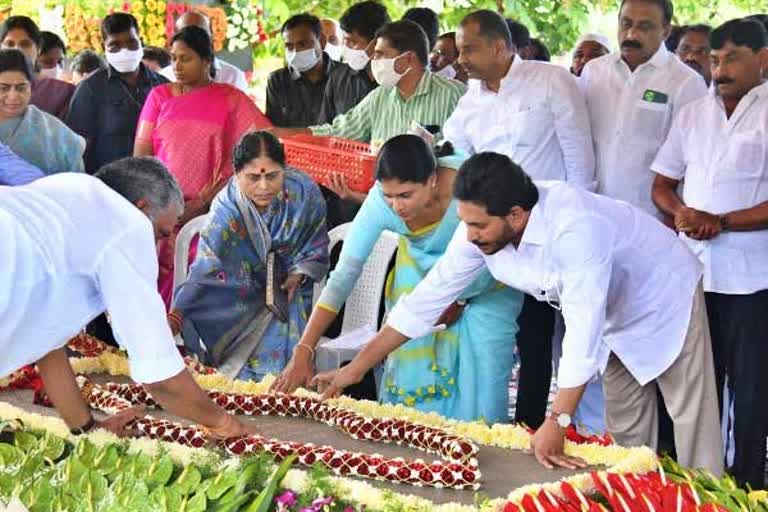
628,289
717,149
632,96
75,246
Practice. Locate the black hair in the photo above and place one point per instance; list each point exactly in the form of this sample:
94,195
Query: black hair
406,158
521,36
541,52
406,36
492,26
427,19
741,32
364,18
199,41
49,41
24,23
118,22
87,61
699,28
14,60
673,39
309,20
667,9
257,144
159,55
762,18
495,182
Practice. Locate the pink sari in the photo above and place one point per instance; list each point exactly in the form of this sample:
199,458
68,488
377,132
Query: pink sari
194,135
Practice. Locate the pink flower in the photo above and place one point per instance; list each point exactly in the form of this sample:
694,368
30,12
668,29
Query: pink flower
286,500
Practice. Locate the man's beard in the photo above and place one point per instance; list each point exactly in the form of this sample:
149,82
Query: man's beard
508,236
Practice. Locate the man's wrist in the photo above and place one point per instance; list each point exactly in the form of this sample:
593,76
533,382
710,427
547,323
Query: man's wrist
725,224
561,419
88,426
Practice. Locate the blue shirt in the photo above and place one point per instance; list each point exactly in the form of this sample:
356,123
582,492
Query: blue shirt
14,170
105,111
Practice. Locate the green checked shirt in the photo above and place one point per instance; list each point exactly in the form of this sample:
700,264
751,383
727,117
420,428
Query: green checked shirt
384,113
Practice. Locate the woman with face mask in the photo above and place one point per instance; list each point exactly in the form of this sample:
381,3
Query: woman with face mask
50,60
461,371
36,136
192,126
265,208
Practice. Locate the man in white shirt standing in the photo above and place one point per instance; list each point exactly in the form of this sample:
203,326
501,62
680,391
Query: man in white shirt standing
226,73
75,246
717,147
628,288
632,96
534,113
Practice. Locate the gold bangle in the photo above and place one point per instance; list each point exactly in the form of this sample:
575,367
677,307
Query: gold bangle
311,350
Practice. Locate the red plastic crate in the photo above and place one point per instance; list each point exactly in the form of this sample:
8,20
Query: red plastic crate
321,156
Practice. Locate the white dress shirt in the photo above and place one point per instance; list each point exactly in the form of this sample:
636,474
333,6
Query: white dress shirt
538,119
73,248
226,73
628,125
625,283
724,167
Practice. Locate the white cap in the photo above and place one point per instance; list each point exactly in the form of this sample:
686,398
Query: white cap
596,38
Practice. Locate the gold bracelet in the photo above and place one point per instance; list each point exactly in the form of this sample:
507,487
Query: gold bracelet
311,350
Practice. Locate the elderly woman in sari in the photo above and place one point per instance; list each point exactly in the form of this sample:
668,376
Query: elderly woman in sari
39,138
460,372
192,126
265,208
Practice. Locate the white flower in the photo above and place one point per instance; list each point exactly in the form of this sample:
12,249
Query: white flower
237,19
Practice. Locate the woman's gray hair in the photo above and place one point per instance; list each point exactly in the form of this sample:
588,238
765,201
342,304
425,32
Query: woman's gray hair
146,178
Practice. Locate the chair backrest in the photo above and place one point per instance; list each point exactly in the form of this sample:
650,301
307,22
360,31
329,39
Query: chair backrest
363,303
181,252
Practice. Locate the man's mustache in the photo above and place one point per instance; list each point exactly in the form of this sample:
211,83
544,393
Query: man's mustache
631,43
724,80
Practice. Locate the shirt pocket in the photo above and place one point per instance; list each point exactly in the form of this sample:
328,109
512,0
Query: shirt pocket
529,126
745,155
650,122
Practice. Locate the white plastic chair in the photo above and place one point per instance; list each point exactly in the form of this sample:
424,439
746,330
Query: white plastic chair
181,255
364,302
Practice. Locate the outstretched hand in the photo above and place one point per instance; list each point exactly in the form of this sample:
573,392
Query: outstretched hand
122,423
547,445
331,384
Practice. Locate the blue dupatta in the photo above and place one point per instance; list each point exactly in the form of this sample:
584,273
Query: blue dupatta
44,141
223,301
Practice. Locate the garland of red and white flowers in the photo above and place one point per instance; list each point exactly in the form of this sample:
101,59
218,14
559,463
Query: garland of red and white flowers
617,459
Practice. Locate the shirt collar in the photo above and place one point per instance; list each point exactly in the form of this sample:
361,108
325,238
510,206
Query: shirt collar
659,59
759,92
514,68
535,230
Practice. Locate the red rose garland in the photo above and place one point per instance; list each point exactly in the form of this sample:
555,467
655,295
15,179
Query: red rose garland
460,471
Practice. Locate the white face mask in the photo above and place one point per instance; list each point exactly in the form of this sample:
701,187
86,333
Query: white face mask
448,72
302,61
54,72
334,51
125,61
384,71
356,59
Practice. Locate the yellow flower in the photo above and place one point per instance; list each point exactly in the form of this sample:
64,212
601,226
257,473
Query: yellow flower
137,7
152,20
151,5
757,496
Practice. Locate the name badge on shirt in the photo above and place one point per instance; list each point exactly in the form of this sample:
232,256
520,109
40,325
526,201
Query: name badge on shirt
652,96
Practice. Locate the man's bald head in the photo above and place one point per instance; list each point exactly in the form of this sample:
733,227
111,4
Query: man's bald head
193,18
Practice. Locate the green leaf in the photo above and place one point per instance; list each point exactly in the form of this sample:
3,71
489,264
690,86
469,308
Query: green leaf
9,455
72,470
52,447
197,503
188,480
107,460
39,496
25,441
232,501
86,451
160,472
266,497
166,499
221,484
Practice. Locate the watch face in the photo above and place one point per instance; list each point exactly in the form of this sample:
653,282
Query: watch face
564,420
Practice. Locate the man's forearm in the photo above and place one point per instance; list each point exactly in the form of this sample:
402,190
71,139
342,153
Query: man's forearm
567,399
183,397
664,194
61,387
750,219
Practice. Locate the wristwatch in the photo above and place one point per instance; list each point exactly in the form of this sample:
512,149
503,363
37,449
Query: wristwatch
724,226
562,419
